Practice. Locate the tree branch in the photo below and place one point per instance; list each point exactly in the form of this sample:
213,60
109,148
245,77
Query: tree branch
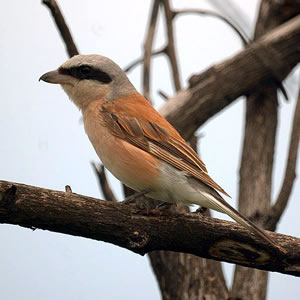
169,15
142,59
62,27
216,88
124,226
103,183
242,35
148,50
290,171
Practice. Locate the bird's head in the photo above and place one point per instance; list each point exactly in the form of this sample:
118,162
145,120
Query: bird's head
86,78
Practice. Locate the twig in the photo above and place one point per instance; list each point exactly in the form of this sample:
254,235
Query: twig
148,50
142,59
62,27
290,171
68,189
163,95
243,36
171,44
103,183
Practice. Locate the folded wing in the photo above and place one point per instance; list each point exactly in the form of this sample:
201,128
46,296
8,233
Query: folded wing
157,137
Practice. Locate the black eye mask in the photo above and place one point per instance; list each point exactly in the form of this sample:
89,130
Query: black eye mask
87,72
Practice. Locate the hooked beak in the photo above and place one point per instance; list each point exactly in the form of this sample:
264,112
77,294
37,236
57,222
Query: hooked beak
56,77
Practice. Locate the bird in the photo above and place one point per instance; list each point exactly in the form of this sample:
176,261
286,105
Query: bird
137,144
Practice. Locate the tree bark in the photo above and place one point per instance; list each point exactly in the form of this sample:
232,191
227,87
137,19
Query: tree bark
185,276
258,152
216,88
188,277
129,227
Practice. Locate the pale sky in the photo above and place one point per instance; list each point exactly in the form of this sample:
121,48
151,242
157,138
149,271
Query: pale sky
43,142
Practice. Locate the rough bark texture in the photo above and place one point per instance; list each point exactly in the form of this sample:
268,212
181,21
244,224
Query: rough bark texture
212,90
203,278
125,226
258,152
185,276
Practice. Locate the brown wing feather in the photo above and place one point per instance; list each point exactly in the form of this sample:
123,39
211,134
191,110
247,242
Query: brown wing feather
159,138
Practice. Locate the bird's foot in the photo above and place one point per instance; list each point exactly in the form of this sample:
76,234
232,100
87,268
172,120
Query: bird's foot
201,210
131,199
158,210
163,206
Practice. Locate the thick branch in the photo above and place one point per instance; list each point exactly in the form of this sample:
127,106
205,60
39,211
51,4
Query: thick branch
220,85
62,27
124,226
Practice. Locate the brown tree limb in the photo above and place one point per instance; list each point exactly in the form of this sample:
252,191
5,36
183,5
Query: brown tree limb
103,183
62,27
148,49
123,225
216,88
201,278
171,44
290,171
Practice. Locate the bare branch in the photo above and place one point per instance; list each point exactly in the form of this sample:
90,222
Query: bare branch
62,27
242,35
148,50
103,183
163,95
124,226
217,87
290,171
142,59
169,15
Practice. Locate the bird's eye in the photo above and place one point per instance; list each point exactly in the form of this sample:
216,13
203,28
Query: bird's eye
85,70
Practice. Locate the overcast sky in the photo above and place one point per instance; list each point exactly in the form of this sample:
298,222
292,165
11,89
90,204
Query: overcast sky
43,142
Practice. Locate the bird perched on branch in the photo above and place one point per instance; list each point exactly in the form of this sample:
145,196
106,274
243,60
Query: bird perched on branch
135,143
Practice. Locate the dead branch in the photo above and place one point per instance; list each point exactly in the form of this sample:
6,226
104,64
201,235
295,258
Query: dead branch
290,171
123,225
62,27
171,44
216,88
242,35
103,183
142,59
148,50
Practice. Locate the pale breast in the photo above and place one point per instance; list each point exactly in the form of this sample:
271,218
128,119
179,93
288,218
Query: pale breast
131,165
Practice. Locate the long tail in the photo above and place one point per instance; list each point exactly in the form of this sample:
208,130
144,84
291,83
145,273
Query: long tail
221,205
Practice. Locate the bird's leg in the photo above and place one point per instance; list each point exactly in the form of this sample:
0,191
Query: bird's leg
132,198
163,205
201,210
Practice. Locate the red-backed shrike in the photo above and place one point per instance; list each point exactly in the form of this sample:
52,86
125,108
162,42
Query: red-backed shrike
134,142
